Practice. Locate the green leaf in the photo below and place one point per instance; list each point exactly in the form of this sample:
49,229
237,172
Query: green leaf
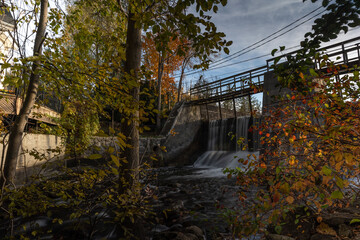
273,51
355,220
339,182
313,73
95,156
226,50
278,229
326,170
337,195
115,160
223,2
215,9
229,43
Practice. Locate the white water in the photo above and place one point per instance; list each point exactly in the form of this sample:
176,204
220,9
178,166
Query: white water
223,159
223,150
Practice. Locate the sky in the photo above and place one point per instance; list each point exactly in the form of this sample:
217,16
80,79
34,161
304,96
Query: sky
246,22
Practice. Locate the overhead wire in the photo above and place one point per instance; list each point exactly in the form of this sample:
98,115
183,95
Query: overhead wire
251,47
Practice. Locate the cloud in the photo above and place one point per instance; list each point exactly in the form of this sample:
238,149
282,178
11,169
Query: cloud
248,21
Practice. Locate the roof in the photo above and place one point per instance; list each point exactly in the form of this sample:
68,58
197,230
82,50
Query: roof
6,16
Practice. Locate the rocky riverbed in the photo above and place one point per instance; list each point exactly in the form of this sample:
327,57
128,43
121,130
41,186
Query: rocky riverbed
188,203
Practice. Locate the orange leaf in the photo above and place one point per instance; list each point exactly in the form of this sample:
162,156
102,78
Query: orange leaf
290,199
276,197
301,75
263,165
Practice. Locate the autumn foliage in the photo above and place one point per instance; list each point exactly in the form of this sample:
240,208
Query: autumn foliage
172,62
311,152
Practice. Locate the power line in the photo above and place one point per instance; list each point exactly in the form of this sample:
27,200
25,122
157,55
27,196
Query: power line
248,49
243,61
265,38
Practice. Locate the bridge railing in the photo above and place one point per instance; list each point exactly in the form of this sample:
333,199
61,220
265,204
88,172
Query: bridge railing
225,88
346,52
340,53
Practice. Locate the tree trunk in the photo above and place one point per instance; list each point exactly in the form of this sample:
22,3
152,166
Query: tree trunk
181,79
17,130
160,74
132,66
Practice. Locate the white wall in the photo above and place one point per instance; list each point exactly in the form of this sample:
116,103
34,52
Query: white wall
42,144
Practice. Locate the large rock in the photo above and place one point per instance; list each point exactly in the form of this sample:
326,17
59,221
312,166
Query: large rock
279,237
195,230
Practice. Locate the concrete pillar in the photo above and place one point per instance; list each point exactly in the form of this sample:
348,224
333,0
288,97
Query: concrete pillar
271,89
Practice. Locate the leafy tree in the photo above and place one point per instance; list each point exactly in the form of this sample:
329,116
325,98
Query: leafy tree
162,17
187,62
243,106
17,129
310,159
162,67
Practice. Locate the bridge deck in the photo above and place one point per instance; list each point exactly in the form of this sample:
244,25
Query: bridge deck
244,83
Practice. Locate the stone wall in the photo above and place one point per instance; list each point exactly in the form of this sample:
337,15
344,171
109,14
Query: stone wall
147,146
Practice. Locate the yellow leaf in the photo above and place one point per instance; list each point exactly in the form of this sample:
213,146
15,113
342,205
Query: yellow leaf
323,228
290,199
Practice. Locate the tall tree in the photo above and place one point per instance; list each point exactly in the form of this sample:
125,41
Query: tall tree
162,66
17,129
189,54
162,17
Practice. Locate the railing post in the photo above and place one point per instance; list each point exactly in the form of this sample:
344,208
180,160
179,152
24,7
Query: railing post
234,106
220,110
207,112
220,91
344,54
235,84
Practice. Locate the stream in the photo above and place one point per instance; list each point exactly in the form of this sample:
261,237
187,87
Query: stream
193,197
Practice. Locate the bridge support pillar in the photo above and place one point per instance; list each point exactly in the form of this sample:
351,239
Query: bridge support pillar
220,110
271,89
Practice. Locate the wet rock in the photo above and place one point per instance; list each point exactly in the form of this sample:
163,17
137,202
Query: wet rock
176,227
171,216
322,237
279,237
195,230
191,236
335,219
165,236
160,228
178,185
345,231
178,205
197,207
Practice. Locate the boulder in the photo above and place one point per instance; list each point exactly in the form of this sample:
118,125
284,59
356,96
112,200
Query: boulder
195,230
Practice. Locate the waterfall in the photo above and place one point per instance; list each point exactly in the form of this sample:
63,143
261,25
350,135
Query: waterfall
224,135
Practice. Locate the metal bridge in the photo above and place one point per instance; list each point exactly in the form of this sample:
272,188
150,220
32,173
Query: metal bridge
243,84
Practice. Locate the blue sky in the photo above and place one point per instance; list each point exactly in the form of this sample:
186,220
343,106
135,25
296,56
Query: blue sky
247,21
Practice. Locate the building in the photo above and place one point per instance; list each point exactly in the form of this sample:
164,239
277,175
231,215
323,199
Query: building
10,102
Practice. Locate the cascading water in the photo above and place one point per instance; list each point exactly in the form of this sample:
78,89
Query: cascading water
229,140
